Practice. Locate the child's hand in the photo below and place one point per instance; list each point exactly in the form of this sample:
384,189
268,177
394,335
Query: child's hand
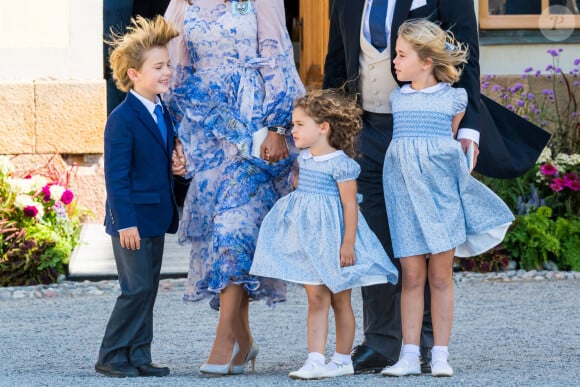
130,238
178,159
346,255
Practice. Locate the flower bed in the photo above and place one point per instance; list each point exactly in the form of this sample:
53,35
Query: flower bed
39,224
546,200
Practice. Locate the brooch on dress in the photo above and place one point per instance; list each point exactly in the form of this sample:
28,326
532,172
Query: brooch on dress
241,7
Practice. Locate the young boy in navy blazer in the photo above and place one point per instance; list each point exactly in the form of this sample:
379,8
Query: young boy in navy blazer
140,207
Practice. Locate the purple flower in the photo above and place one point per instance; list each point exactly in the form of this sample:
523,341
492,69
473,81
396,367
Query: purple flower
560,49
528,69
557,70
576,83
538,73
520,102
67,197
495,87
530,96
485,85
536,111
517,87
548,169
549,67
548,92
30,211
487,77
552,52
509,106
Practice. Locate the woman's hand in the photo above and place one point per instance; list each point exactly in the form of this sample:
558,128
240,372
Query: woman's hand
274,148
346,254
178,159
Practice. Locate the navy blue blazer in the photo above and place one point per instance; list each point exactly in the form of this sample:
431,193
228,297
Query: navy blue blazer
138,174
509,145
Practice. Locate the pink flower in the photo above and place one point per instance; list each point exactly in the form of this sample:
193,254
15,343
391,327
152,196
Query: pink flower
30,211
46,193
571,176
557,185
67,197
574,185
548,169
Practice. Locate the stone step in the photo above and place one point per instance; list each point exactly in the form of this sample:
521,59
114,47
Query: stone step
93,256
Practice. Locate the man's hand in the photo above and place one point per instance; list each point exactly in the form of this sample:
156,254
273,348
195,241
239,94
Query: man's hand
130,238
465,144
274,148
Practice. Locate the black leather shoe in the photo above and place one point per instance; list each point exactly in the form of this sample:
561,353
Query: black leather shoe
150,369
117,370
425,360
367,360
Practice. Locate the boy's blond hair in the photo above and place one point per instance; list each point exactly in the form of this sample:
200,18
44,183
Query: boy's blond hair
129,50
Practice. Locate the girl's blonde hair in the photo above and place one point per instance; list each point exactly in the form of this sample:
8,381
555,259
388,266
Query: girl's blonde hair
129,50
342,114
431,41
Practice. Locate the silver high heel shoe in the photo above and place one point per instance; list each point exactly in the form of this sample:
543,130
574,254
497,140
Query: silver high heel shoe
251,356
221,369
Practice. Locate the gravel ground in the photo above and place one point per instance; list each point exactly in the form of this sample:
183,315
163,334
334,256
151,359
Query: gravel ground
522,333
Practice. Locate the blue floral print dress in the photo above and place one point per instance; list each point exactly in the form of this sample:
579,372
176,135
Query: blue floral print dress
234,73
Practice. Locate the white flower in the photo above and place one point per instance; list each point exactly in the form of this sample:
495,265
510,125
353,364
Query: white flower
56,192
545,156
20,186
6,166
37,182
21,201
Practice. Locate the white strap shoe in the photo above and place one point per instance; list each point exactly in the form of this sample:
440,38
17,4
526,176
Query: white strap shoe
402,368
310,370
441,368
334,369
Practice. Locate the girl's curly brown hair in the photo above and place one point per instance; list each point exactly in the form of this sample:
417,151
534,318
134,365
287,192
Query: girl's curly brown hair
342,114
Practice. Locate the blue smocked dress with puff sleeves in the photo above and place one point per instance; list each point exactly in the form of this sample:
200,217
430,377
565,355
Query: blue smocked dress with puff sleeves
234,74
433,202
301,236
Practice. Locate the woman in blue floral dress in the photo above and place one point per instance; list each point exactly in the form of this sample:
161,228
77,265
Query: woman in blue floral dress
234,75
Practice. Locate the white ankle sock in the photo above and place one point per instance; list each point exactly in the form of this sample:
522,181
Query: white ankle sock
410,352
316,357
338,358
439,353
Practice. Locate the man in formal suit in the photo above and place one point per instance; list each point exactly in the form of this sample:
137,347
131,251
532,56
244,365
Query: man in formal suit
140,206
360,51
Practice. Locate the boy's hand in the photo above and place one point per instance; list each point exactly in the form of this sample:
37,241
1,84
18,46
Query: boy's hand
178,159
346,255
130,238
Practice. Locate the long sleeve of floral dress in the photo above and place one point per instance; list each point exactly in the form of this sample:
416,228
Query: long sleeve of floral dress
281,81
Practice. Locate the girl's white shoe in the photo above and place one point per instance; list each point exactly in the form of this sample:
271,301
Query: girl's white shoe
310,370
335,368
441,368
402,368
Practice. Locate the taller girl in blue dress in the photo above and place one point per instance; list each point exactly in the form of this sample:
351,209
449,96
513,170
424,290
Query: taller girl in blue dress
436,208
316,236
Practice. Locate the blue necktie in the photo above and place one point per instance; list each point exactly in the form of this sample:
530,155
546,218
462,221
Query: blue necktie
377,24
161,123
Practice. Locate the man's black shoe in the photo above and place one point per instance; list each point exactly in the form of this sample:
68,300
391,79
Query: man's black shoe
117,370
425,360
150,369
367,360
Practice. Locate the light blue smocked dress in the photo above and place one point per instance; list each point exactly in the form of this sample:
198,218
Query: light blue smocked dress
234,74
433,202
301,236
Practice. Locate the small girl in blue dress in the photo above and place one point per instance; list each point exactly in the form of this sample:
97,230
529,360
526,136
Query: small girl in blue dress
436,208
316,235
